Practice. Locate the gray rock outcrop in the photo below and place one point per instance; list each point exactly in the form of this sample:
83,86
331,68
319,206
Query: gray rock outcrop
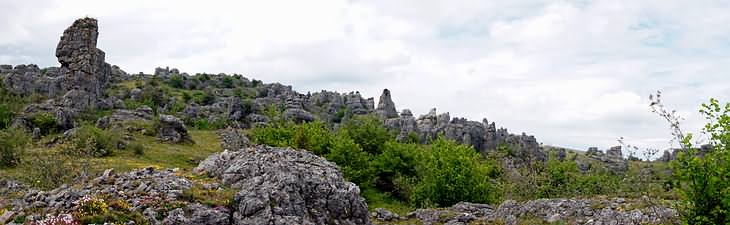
386,107
172,130
612,160
233,139
286,186
569,211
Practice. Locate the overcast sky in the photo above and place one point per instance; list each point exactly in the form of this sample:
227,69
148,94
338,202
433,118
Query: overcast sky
572,73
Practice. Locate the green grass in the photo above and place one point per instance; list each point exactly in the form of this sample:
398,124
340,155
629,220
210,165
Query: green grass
162,155
377,199
156,154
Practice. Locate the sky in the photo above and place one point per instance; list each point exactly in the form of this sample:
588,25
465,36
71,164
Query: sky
573,73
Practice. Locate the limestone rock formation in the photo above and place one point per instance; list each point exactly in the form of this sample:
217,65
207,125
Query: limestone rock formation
77,52
286,186
233,139
121,116
612,160
172,129
483,136
577,211
386,107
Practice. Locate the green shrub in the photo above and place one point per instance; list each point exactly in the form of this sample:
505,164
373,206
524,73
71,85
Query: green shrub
11,147
45,121
92,141
313,136
186,96
6,116
176,81
280,135
137,148
49,169
227,82
368,132
704,179
452,173
203,97
395,168
559,176
352,160
204,124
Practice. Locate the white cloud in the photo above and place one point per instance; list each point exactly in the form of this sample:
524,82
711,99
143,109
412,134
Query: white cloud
572,73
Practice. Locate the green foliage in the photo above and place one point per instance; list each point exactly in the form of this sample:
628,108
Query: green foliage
395,169
227,82
205,124
92,141
559,177
313,136
6,116
176,81
452,173
352,160
137,148
704,180
48,170
11,147
203,98
368,132
45,121
280,135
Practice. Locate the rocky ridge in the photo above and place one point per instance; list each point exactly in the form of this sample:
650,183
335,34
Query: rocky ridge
570,211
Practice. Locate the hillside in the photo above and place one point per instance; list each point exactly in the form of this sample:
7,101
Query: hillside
87,142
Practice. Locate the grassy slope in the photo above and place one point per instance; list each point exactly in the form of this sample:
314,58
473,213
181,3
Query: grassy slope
160,155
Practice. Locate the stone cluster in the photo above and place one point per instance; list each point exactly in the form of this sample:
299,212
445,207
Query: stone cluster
612,160
483,136
286,186
572,211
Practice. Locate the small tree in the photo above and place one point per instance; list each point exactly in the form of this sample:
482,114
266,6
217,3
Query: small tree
452,173
703,177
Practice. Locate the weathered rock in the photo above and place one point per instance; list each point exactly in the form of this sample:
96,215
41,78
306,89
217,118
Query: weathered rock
570,211
197,214
612,160
172,129
386,107
384,215
121,116
286,186
233,139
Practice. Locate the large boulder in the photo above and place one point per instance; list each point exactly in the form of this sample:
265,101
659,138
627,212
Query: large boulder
172,130
286,186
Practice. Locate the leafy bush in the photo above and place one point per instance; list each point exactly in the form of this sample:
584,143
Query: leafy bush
48,170
452,173
368,132
704,177
227,82
46,122
6,116
280,135
176,81
11,147
313,136
137,148
204,124
352,160
203,98
395,168
92,141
